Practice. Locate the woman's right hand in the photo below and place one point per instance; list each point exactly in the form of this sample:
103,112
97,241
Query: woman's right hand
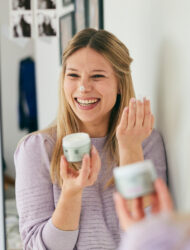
75,181
161,201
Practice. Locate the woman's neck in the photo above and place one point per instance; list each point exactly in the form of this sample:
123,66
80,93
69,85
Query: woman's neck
94,131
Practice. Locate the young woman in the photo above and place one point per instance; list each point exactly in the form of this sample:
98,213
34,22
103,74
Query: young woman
62,208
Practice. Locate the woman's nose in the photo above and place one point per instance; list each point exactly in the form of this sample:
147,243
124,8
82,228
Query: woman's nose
85,85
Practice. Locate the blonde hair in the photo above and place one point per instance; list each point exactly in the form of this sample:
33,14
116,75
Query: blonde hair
115,52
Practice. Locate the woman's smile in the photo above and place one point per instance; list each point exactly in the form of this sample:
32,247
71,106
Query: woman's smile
87,103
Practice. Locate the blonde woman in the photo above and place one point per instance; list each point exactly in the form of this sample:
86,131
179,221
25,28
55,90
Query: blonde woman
59,206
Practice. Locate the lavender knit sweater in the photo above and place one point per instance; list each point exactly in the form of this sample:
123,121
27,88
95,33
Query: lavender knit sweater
37,197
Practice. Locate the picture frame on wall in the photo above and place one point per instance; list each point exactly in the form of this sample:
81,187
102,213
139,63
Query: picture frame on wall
94,14
21,25
80,15
67,2
21,5
46,4
47,24
66,30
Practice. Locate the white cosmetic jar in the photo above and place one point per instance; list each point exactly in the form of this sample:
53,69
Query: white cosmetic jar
75,146
135,180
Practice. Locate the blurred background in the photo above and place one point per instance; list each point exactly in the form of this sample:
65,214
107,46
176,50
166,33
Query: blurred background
33,37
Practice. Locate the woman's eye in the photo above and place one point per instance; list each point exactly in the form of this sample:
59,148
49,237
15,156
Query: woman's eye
73,75
97,76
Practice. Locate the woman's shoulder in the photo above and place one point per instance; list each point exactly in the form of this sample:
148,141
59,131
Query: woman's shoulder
33,155
36,142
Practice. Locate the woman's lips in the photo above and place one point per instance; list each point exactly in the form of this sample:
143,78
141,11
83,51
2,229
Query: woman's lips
87,106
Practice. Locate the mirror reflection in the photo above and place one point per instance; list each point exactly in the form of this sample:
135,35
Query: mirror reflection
143,66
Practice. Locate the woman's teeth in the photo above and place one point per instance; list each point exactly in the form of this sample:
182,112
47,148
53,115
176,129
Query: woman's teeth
86,102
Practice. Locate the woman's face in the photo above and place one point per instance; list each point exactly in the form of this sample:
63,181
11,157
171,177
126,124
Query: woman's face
91,70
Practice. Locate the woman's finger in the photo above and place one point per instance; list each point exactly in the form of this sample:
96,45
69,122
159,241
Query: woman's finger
124,119
139,114
63,167
154,204
164,197
137,209
147,108
147,121
85,170
132,113
123,213
147,114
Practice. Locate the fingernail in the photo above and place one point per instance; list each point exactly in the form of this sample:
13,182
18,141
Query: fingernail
86,156
147,97
140,98
133,99
126,109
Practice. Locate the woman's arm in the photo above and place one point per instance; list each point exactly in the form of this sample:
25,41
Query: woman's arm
71,195
138,141
35,197
42,226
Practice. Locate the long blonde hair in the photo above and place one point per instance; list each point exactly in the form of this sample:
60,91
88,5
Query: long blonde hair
67,122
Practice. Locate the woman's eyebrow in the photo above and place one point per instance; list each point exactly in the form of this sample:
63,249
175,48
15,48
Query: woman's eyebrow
71,69
94,70
98,70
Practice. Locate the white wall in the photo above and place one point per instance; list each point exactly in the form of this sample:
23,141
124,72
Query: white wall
158,37
48,72
12,51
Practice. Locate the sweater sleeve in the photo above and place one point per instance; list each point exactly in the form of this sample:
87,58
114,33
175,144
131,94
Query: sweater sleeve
153,148
156,232
34,197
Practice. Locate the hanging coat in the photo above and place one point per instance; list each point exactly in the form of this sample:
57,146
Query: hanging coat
27,96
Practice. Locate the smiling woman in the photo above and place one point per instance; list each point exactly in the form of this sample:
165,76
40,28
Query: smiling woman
58,206
88,69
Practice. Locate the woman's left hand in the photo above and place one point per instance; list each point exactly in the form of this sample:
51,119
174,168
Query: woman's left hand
136,123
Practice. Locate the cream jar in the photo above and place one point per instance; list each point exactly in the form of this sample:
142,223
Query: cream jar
135,180
75,146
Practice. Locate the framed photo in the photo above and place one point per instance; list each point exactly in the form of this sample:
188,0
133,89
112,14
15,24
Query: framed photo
21,4
80,16
46,4
67,2
47,24
66,30
21,25
94,14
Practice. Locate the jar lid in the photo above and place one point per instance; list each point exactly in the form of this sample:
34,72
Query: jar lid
134,169
75,140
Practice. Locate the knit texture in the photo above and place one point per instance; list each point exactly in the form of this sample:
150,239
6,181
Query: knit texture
37,197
